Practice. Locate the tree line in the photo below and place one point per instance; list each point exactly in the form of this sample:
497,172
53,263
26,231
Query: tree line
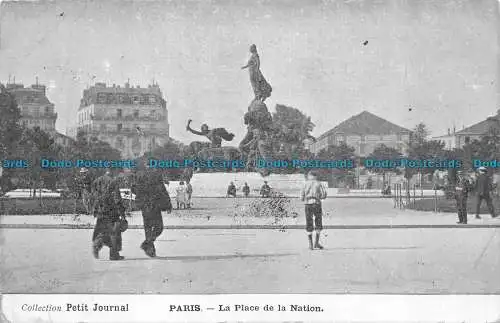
288,141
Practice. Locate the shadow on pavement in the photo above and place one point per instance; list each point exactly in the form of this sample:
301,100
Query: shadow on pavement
214,257
373,248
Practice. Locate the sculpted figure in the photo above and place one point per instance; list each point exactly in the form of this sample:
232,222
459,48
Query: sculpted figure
261,88
214,135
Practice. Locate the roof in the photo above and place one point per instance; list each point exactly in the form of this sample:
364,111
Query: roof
27,95
90,94
480,127
365,123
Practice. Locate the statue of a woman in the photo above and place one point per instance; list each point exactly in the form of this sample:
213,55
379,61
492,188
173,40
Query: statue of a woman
261,88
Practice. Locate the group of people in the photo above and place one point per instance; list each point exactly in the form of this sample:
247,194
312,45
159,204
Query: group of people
265,190
183,195
103,200
482,186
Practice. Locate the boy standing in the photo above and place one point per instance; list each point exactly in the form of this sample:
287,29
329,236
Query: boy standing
312,194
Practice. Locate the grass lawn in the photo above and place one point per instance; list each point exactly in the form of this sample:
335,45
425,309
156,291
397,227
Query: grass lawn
445,205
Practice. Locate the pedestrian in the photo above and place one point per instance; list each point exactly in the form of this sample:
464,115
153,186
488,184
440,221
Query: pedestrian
189,193
265,190
85,183
231,190
246,189
312,194
180,195
484,186
151,198
109,210
462,189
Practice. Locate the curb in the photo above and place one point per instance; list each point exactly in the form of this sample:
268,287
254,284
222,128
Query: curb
261,227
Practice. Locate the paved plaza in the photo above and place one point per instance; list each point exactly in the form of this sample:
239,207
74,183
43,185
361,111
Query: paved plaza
256,261
197,256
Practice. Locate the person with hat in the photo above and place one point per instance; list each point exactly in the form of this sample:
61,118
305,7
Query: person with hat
462,189
484,186
109,211
151,198
312,194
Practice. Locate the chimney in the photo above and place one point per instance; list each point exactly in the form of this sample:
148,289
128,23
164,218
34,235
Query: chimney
449,132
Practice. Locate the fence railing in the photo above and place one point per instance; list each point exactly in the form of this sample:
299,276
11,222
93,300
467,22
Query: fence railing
406,196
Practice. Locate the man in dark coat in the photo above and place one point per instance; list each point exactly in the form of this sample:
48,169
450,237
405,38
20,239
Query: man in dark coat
108,209
246,189
151,197
462,189
231,190
484,187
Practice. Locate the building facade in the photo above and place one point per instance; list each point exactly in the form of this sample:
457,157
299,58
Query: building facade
475,132
364,132
131,119
36,109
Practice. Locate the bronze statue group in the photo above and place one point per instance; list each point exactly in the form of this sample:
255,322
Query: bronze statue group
152,198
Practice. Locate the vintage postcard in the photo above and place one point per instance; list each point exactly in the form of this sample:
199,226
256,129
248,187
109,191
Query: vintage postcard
231,160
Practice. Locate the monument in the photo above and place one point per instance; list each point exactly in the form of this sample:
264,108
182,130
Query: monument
257,143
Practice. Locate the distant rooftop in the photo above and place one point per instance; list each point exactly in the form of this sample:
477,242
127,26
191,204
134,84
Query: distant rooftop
35,94
481,127
113,94
365,123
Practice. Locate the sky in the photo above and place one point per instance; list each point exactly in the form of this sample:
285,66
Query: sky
407,61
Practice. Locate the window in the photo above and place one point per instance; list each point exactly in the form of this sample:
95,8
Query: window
119,113
136,99
101,98
47,110
119,143
119,127
136,113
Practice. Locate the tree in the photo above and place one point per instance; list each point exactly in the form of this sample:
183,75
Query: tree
33,146
381,153
291,129
420,133
10,132
340,152
169,151
86,148
487,147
